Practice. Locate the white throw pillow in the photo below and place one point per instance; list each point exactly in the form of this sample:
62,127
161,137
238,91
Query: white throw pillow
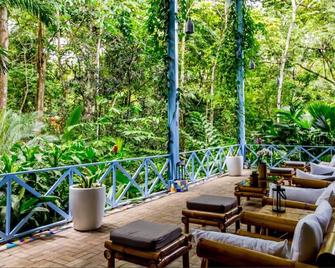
304,175
317,169
326,193
307,239
332,162
324,213
306,195
279,249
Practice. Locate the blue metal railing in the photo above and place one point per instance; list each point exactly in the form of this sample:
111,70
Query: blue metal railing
203,164
128,180
281,153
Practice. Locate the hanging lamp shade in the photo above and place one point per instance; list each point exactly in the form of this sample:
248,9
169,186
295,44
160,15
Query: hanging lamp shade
189,27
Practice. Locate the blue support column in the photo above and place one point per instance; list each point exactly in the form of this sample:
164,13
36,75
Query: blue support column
240,74
173,101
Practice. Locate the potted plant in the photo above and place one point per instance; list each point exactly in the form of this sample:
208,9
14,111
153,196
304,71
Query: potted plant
87,203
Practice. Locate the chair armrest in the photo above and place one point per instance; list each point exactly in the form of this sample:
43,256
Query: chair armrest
310,183
326,256
229,255
290,204
268,221
255,235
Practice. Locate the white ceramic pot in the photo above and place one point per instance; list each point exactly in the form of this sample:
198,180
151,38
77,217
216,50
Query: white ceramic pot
87,207
234,165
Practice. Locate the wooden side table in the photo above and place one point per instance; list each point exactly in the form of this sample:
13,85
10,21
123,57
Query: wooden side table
249,191
285,222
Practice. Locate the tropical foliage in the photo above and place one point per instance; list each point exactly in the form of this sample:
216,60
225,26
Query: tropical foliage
87,82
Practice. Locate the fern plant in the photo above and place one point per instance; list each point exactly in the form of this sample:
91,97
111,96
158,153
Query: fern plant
204,133
15,127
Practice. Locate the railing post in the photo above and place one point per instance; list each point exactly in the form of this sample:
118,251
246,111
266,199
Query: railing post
207,163
8,205
192,155
173,103
114,185
70,184
240,74
146,179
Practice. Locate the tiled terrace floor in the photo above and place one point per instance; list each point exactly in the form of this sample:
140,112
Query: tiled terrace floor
70,248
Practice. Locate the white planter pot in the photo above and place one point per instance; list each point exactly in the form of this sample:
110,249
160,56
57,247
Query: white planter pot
234,165
87,207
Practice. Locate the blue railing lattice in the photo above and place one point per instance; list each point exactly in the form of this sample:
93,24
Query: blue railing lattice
128,180
281,153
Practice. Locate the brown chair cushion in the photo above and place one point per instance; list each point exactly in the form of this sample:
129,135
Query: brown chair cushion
295,163
148,236
282,170
212,203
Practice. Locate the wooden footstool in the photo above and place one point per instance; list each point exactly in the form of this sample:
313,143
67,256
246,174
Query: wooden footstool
148,244
285,173
212,210
296,165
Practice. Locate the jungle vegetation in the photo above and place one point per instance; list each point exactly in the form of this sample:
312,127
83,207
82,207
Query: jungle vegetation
85,80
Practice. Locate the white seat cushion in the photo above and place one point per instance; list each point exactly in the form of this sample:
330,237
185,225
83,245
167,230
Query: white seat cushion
279,249
317,169
304,175
305,195
324,215
326,193
307,239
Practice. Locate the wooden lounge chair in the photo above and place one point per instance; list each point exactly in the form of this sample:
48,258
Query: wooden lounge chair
217,254
303,203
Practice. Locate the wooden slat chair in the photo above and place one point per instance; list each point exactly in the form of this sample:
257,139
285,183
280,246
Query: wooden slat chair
216,254
302,183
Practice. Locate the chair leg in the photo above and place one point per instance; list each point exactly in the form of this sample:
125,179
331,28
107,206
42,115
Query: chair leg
237,225
186,260
186,224
110,258
204,263
238,200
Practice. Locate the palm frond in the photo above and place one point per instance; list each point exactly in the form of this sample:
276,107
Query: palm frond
43,10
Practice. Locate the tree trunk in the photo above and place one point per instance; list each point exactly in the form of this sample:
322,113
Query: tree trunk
26,81
97,77
4,45
212,88
41,70
285,53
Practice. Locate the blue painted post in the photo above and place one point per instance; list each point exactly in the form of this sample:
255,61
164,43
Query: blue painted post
240,74
146,179
173,102
114,185
8,206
